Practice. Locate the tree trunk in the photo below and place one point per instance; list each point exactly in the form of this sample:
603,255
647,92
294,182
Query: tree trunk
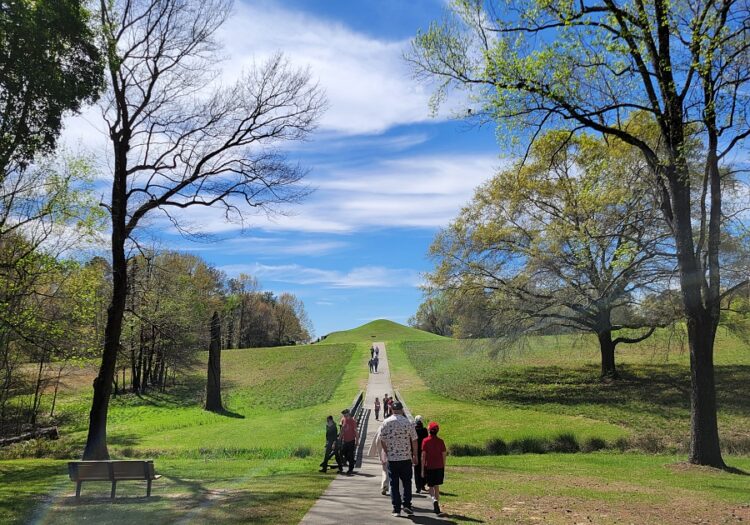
96,441
705,448
213,385
607,349
701,327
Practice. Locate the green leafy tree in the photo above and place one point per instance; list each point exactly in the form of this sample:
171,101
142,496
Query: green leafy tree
567,238
49,64
533,64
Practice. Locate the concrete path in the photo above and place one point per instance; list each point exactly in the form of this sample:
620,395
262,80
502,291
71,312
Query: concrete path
357,499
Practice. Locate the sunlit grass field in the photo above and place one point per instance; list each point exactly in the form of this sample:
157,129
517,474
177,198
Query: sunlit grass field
550,386
255,463
558,377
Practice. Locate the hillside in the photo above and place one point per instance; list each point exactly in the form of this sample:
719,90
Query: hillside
381,330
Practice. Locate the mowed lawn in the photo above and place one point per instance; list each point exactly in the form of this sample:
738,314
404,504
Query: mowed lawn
255,463
551,387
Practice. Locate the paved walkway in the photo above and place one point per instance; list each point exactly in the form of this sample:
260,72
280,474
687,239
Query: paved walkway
356,499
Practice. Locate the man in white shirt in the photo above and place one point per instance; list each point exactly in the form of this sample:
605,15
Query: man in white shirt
399,441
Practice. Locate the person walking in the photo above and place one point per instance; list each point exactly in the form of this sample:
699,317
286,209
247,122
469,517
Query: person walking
390,406
421,435
372,351
399,440
385,406
384,478
433,464
332,435
375,362
370,364
349,439
377,408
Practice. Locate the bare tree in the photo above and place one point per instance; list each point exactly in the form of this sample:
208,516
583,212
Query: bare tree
179,139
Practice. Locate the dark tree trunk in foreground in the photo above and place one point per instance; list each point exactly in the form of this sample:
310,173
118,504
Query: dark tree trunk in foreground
607,349
213,385
96,442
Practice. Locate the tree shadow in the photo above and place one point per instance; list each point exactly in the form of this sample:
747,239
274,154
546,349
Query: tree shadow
228,413
663,389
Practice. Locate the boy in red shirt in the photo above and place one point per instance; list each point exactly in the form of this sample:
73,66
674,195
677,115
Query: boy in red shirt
433,464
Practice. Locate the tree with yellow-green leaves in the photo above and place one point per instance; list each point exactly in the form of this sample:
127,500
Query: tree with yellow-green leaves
569,238
532,65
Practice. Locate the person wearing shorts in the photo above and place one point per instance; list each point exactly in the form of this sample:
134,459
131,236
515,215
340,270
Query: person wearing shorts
433,464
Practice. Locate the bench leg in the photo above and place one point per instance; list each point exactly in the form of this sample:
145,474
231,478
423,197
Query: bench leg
148,488
112,494
78,490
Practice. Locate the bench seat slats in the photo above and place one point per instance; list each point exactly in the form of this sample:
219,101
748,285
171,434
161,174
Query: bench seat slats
112,471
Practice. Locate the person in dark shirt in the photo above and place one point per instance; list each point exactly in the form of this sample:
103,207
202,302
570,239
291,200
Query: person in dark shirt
332,435
421,434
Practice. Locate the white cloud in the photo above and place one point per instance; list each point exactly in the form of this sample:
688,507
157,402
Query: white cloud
368,84
414,192
361,277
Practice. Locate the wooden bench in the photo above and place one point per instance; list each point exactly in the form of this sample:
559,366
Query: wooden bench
112,471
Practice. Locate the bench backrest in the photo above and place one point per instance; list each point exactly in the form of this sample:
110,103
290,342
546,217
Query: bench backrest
109,470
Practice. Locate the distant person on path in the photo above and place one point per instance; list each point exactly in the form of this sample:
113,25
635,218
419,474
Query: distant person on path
421,435
349,439
385,406
390,406
371,365
399,440
332,435
377,408
433,463
372,351
375,362
377,351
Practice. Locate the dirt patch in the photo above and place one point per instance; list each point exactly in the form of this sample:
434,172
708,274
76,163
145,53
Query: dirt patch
571,511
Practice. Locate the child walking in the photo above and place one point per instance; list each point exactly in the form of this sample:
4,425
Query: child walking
377,408
433,464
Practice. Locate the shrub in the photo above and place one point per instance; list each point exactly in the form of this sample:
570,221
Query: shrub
528,445
593,444
496,447
301,452
650,443
466,450
621,444
565,442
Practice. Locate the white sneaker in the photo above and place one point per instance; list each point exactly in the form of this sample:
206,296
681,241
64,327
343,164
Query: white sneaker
396,514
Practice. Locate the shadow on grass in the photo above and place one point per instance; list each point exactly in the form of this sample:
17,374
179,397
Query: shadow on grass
228,413
657,389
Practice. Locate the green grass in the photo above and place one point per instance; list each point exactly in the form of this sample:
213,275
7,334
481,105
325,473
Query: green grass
255,463
558,376
550,386
381,330
597,488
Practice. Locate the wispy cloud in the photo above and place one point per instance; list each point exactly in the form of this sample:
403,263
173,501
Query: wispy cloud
367,81
361,277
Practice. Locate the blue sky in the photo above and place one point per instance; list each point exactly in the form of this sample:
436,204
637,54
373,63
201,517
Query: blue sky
387,173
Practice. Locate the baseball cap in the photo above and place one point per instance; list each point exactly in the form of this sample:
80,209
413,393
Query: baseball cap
433,425
398,406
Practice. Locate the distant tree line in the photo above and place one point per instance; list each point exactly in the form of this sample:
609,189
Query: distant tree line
53,313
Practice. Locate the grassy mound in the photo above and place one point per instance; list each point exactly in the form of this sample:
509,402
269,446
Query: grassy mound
255,463
559,377
381,330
